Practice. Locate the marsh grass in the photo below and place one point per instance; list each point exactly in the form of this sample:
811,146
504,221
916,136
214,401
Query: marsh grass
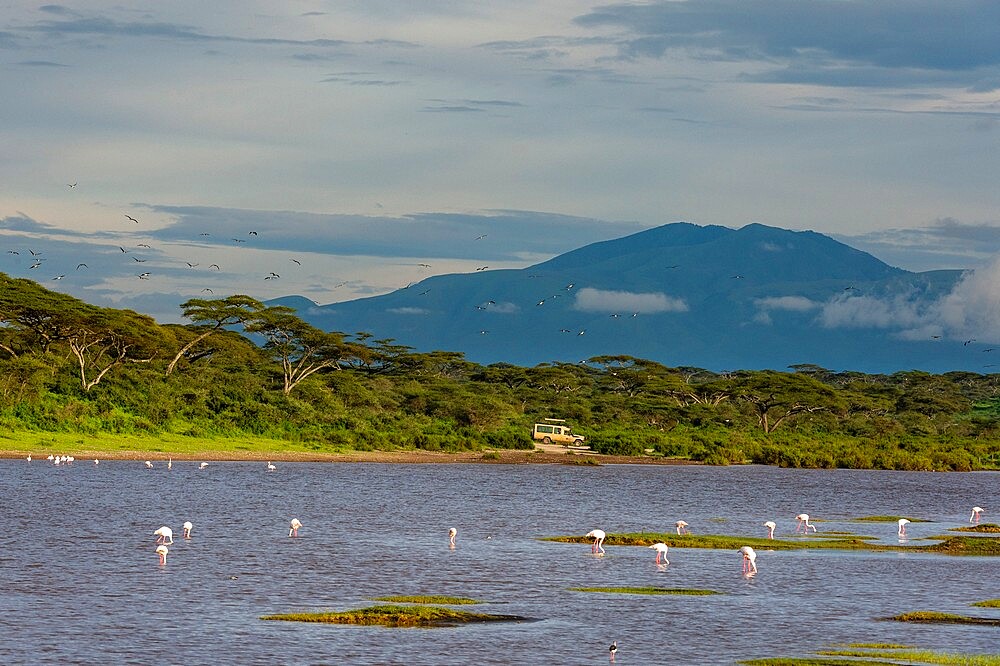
397,616
986,528
888,519
948,545
989,603
911,656
428,599
933,617
646,590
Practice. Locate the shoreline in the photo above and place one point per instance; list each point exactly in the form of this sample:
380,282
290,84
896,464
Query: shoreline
488,457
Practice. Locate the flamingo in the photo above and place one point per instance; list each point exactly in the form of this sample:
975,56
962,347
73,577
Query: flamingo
903,522
598,536
149,465
170,463
271,467
613,649
51,457
976,510
770,525
682,528
187,530
164,535
203,465
803,523
749,560
162,551
452,533
96,461
28,458
661,549
295,525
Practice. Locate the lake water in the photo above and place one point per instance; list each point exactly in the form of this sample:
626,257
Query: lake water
80,582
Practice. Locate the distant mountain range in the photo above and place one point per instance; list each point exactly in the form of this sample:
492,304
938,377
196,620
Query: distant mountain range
682,295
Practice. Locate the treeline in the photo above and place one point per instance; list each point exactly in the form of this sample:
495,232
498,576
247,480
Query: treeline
69,366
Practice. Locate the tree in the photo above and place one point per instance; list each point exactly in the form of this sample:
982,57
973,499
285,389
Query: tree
301,348
209,316
776,397
105,339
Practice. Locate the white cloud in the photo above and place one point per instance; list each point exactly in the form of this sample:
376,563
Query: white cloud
599,300
408,311
972,309
902,311
790,303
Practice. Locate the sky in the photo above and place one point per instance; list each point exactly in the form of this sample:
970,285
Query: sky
342,149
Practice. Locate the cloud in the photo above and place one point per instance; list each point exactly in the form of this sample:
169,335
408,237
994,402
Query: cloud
589,299
845,311
972,309
408,311
945,243
789,303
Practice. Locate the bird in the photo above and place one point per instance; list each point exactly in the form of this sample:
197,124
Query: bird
598,536
96,461
661,549
70,185
13,252
28,458
902,527
270,466
803,523
79,266
482,268
296,261
190,265
295,525
59,277
124,251
968,342
252,233
424,265
131,218
144,276
149,465
976,510
770,525
215,266
541,302
208,290
613,649
142,245
749,560
138,260
452,533
170,463
481,237
239,240
203,465
735,277
162,551
682,527
164,535
187,530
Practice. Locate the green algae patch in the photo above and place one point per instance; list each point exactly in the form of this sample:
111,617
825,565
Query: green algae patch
397,616
814,661
888,519
989,603
428,599
985,528
933,617
962,545
646,590
911,656
879,646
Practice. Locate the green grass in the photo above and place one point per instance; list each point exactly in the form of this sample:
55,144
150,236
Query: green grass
919,657
948,545
987,528
428,599
989,603
814,661
397,616
887,519
933,617
879,646
645,590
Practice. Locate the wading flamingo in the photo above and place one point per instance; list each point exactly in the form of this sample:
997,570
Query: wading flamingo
803,523
661,549
187,530
203,465
612,650
162,551
29,458
598,536
271,467
749,560
149,465
452,533
170,463
903,522
295,525
682,528
770,525
976,510
164,535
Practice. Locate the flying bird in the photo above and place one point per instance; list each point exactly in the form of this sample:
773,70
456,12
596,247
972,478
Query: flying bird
137,259
598,536
131,218
215,266
13,252
143,276
482,268
296,261
59,277
968,342
124,251
239,240
481,237
424,265
70,184
33,253
142,245
190,265
252,233
208,290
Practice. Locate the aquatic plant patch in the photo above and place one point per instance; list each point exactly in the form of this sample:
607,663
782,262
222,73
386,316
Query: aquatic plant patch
397,616
933,617
888,519
428,599
987,528
911,656
646,590
989,603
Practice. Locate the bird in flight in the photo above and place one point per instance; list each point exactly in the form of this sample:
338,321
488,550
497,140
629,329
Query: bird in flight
124,251
296,261
79,266
215,266
424,265
190,265
541,302
208,290
935,337
481,237
143,276
141,261
142,245
131,218
735,277
33,253
239,240
482,268
59,277
13,252
252,233
423,292
968,342
204,233
70,184
35,265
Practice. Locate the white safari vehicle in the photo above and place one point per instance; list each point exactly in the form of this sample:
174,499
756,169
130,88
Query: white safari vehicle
555,431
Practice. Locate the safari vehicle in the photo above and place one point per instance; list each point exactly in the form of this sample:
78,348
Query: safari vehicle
556,431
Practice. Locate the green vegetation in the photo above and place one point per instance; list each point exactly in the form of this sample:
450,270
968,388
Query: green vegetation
933,617
888,519
397,616
109,377
989,603
987,528
949,545
867,654
428,599
646,590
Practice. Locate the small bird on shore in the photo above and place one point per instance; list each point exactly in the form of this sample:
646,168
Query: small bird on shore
598,536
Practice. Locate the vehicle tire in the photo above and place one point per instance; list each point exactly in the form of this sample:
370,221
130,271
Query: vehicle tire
546,440
577,442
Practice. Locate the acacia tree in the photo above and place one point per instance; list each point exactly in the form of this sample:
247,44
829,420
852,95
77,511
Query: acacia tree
105,339
775,397
210,316
33,316
300,348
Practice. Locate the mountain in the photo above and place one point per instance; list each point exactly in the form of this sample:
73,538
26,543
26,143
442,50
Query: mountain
680,294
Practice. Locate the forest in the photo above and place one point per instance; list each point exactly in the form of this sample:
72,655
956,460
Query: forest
242,368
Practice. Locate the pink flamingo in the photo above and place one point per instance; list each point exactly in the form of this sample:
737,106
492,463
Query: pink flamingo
770,525
164,535
903,522
976,510
452,533
598,536
682,528
612,650
187,530
749,560
661,549
803,523
162,551
295,525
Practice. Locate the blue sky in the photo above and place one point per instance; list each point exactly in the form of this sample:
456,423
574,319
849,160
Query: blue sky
341,145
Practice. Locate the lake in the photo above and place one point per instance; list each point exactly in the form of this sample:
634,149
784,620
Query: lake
80,581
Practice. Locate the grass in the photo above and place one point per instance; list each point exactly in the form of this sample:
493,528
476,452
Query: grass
876,653
646,590
814,661
948,545
428,599
989,603
933,617
887,519
397,616
987,528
